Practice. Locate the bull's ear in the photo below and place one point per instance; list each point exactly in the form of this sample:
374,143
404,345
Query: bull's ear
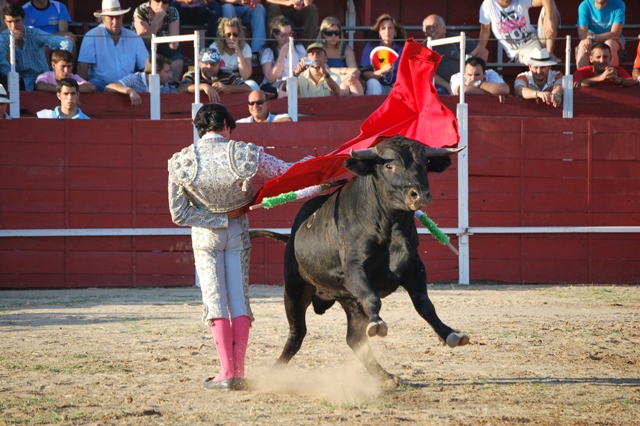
360,167
438,164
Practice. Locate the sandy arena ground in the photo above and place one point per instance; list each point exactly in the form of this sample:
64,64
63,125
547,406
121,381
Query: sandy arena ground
560,355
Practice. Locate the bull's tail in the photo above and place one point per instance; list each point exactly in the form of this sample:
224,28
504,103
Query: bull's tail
268,234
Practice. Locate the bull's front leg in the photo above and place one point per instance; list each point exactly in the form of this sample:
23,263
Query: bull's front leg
415,282
358,284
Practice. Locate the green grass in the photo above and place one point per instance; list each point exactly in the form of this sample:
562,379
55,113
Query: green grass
42,410
94,366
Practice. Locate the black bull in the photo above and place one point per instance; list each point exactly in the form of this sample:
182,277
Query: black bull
360,244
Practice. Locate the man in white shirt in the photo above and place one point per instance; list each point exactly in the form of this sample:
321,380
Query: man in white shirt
259,110
478,80
509,21
540,82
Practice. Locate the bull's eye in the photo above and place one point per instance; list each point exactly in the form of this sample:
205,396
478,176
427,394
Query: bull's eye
389,167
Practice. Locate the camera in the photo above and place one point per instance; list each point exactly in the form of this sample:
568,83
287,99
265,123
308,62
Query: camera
309,62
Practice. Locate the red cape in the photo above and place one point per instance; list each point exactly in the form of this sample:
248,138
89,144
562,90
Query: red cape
412,109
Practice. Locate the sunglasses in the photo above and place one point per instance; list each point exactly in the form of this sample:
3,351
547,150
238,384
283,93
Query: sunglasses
228,35
279,34
330,33
260,102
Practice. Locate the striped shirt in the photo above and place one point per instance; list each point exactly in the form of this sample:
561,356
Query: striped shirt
138,82
226,77
30,59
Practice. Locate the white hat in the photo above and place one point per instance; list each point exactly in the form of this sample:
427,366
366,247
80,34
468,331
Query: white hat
110,8
3,96
541,58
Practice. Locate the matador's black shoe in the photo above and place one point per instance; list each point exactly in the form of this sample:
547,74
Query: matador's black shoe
224,385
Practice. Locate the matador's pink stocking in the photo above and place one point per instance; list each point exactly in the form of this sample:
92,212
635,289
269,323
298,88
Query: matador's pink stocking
240,330
221,331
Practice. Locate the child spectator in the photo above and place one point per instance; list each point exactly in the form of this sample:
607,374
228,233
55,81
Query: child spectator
381,81
62,64
30,57
235,52
157,17
341,58
138,82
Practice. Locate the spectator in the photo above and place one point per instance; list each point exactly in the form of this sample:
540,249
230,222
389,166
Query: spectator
110,52
381,81
213,79
157,17
600,21
274,55
303,13
315,80
259,110
199,12
30,58
478,80
68,94
636,65
435,27
509,21
601,72
4,101
138,82
62,64
234,50
341,58
252,13
540,82
50,16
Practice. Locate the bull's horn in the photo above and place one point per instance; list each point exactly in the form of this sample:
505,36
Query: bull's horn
364,154
442,152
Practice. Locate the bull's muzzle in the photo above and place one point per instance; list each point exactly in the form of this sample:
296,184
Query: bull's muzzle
416,199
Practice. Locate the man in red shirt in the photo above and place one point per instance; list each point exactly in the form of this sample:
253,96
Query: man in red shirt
600,72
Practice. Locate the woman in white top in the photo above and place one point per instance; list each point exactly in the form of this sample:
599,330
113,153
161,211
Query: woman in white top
341,58
274,55
234,50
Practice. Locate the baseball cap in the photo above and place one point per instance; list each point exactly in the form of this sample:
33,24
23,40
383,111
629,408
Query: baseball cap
209,56
316,45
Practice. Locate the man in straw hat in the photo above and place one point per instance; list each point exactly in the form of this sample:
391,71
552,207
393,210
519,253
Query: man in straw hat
109,51
4,101
540,82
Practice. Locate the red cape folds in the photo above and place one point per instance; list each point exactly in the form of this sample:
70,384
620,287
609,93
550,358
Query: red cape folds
412,109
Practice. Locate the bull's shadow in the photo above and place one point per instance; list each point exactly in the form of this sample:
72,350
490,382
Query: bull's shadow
360,243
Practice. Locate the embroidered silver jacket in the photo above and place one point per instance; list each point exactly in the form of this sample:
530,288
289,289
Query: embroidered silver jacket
213,177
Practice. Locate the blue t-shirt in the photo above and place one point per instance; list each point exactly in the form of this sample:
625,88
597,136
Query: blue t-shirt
47,19
600,21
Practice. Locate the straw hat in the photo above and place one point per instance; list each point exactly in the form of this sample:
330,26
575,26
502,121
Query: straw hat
3,96
541,58
110,8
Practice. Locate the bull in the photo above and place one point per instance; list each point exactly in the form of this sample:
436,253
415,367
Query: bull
360,243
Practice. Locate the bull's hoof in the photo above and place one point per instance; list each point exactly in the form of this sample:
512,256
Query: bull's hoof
391,382
454,339
378,328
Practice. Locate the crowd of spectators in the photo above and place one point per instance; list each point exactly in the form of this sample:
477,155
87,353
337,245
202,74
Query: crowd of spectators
112,57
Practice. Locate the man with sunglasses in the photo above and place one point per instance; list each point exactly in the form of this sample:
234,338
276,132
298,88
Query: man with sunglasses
435,27
259,110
